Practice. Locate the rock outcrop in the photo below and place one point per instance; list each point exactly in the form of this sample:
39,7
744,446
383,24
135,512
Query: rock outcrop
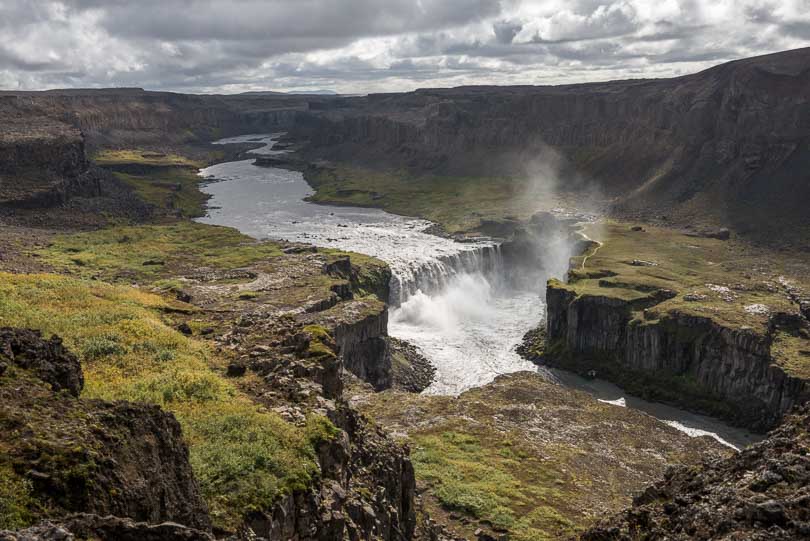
761,493
673,355
362,345
43,164
69,455
48,359
367,491
296,360
88,526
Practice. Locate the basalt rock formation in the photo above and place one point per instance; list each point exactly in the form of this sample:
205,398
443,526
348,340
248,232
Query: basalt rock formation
65,455
366,491
43,164
48,359
300,356
727,144
761,493
732,367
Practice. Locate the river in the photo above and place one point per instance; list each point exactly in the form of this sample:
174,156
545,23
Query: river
446,296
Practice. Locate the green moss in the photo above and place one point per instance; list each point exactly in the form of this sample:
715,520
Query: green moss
133,251
321,343
244,459
112,157
15,500
491,479
320,430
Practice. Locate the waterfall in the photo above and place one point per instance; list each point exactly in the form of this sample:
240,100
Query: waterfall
433,274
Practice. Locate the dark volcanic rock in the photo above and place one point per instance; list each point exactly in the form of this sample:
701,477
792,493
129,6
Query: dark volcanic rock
90,456
410,370
48,359
367,491
762,493
732,367
109,528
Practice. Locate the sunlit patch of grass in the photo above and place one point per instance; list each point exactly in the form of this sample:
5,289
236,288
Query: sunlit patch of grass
155,250
492,481
144,157
243,456
457,203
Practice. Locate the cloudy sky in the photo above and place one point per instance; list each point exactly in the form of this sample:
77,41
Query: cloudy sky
357,46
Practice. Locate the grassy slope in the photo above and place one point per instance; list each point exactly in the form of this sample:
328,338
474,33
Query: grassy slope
457,203
243,455
527,457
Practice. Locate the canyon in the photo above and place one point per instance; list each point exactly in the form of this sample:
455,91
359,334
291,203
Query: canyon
292,333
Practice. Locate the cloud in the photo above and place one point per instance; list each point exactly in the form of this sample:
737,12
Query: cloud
379,45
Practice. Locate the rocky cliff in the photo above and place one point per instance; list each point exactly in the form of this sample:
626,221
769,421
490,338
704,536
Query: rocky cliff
294,343
43,164
64,455
726,144
362,345
137,118
671,355
758,494
366,492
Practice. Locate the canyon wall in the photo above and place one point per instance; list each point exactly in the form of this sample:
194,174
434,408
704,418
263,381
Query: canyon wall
43,163
695,361
726,144
362,345
729,145
361,460
136,118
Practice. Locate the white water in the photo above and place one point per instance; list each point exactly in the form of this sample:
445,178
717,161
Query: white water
448,298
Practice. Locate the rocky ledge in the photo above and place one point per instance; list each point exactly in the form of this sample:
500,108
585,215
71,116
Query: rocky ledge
43,163
761,493
64,455
690,323
705,360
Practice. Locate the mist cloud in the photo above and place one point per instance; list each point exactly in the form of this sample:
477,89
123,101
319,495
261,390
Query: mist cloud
379,45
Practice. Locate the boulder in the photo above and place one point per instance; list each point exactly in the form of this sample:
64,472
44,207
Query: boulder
47,359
